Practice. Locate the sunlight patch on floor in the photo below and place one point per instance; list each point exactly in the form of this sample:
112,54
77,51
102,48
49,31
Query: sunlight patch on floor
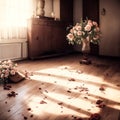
68,72
75,90
59,104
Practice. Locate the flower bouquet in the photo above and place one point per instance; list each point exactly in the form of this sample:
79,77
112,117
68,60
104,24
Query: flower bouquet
83,33
7,69
86,29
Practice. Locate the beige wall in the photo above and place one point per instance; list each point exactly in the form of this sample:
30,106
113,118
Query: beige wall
110,28
109,25
48,8
57,8
77,10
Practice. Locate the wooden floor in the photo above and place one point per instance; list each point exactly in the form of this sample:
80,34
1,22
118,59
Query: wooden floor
62,89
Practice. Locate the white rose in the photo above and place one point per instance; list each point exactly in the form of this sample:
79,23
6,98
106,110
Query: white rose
12,72
87,28
70,36
79,33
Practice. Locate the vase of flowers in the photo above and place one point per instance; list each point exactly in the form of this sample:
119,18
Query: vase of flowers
7,69
83,33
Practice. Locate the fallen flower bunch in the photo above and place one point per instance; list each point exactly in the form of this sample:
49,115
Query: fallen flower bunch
7,69
12,94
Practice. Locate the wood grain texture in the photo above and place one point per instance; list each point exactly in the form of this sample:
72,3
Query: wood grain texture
62,89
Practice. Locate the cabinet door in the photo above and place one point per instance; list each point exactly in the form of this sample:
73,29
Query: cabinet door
33,41
39,42
45,40
59,42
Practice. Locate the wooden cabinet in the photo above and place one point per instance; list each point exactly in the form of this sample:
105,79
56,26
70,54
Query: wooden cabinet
46,37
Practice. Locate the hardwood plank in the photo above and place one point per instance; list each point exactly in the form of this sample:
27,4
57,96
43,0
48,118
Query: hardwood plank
62,89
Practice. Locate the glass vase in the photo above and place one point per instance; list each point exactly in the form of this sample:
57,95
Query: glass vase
85,51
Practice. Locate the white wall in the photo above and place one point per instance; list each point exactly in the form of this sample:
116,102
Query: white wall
110,28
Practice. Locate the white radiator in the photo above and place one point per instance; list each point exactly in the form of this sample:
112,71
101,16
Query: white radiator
14,51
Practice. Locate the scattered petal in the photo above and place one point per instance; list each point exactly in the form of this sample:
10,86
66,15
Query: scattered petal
100,104
31,115
60,103
102,88
68,91
12,94
99,101
29,109
9,110
71,79
95,116
86,97
43,102
118,85
25,118
7,87
40,88
5,102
